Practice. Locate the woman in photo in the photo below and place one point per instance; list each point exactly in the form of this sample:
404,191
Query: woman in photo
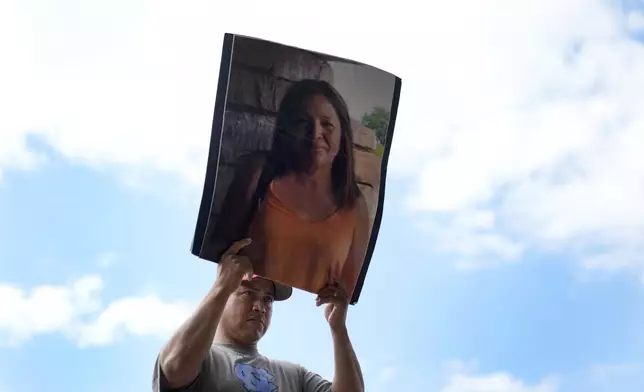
300,203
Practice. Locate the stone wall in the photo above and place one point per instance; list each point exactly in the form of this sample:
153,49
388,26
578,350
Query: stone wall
260,76
367,165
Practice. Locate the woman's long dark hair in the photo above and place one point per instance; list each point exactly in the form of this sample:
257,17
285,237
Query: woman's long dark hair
292,151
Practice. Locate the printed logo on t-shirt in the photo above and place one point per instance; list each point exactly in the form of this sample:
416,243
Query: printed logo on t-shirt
255,379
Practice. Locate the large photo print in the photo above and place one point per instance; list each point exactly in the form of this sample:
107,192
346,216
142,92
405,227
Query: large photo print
297,163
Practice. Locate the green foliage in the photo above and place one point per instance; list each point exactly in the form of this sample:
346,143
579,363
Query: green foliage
380,150
378,120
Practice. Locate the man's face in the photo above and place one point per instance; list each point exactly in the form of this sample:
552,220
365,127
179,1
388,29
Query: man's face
248,311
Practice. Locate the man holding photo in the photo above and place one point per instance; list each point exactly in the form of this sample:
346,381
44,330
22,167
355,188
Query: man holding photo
216,348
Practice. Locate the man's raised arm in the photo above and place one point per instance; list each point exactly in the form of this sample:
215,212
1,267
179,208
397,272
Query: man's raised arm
181,359
347,374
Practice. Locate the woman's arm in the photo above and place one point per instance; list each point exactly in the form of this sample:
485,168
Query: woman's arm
353,266
231,223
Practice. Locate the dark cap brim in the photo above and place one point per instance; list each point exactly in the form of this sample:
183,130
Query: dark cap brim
282,292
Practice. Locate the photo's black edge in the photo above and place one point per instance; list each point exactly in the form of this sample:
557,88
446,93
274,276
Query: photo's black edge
381,194
215,141
325,56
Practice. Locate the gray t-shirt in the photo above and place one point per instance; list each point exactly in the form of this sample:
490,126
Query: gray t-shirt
230,369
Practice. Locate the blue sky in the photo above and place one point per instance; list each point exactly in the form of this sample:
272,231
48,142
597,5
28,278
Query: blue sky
509,257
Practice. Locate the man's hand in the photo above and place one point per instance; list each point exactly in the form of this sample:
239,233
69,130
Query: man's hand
232,268
348,376
337,303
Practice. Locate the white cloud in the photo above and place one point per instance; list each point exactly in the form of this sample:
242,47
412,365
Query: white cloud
387,373
462,378
142,316
616,260
622,377
601,374
45,309
636,21
528,111
382,380
75,310
471,237
539,119
494,382
107,259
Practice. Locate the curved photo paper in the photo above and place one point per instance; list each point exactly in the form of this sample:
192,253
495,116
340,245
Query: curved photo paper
297,162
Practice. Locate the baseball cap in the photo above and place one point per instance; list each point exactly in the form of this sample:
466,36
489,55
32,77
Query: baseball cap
282,292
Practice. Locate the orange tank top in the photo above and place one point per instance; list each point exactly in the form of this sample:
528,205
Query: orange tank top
300,253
